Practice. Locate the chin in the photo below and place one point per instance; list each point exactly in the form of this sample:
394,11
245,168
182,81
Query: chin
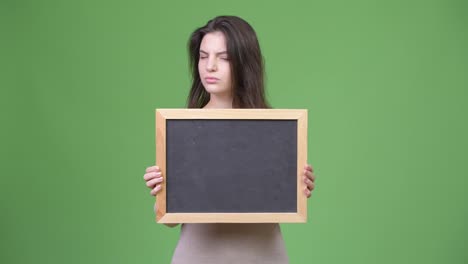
214,89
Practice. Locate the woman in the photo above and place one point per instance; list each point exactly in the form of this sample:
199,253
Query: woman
227,72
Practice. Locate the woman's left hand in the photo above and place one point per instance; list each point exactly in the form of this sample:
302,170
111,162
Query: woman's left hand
309,180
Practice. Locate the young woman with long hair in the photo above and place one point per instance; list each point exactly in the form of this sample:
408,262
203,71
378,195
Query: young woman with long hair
227,72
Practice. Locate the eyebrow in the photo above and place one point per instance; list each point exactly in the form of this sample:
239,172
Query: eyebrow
217,53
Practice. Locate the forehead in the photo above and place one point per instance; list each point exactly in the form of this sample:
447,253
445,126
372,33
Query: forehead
213,42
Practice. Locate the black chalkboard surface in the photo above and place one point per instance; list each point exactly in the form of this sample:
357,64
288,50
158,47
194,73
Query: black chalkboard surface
231,165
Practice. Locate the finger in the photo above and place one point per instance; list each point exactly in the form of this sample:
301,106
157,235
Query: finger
309,183
307,192
153,168
308,167
156,190
151,183
310,175
151,175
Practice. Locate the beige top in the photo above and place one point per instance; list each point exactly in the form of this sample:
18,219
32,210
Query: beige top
230,243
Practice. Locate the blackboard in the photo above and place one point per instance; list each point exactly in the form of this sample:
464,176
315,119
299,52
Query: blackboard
231,165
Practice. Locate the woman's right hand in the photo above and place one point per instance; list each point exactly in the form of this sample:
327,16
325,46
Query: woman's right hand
153,178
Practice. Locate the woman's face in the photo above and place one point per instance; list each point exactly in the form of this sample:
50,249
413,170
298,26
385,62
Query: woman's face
213,66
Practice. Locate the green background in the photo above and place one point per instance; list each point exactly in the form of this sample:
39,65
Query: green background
385,83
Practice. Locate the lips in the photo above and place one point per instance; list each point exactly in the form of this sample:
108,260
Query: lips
211,79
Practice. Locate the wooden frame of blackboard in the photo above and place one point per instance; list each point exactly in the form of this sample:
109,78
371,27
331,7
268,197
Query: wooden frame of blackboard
299,115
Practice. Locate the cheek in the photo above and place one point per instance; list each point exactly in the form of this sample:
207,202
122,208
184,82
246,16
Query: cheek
227,71
200,67
227,78
228,75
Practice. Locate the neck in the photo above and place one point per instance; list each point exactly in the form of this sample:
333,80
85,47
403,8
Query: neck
219,101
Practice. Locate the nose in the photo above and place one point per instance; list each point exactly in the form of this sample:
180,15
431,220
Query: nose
211,64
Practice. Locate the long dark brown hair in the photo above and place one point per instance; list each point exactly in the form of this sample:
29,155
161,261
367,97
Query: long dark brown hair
245,58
